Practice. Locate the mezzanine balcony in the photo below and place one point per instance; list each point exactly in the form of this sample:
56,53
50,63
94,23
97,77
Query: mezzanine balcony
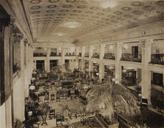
55,54
109,56
70,54
96,55
157,59
39,54
131,57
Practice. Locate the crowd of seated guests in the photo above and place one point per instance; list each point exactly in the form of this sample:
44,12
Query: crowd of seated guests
37,111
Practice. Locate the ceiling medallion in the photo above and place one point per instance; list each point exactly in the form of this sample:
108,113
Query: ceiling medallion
35,1
35,7
136,3
126,8
54,1
70,1
51,6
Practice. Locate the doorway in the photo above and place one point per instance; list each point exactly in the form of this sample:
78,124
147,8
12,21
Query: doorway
53,63
67,64
40,65
135,51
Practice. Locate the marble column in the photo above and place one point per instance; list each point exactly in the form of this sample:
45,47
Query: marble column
146,74
90,59
19,89
6,77
82,59
101,64
63,56
26,68
118,70
47,60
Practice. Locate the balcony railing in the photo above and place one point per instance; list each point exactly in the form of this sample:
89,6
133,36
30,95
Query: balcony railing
70,54
130,57
55,54
109,56
39,54
157,59
96,55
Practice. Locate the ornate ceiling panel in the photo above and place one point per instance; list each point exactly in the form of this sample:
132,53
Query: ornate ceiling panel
68,20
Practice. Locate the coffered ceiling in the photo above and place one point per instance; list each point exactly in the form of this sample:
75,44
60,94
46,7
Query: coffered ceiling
75,20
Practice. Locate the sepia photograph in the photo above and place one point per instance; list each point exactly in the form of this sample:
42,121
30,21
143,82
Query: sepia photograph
81,63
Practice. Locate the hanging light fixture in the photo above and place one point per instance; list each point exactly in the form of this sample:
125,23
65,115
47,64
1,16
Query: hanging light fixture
32,87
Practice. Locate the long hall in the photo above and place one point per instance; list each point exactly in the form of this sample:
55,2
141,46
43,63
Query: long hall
81,63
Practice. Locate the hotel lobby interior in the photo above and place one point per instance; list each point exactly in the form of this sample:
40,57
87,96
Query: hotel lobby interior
81,63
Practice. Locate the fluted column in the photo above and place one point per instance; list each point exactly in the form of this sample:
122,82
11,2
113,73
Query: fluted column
146,74
101,64
27,81
19,88
63,56
47,60
90,59
82,60
118,69
5,75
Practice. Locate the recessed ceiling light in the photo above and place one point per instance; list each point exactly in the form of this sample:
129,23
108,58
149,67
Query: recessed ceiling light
72,24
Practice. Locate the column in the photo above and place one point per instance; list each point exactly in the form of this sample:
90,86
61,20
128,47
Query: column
101,64
82,59
19,88
47,60
118,53
146,74
77,57
90,59
8,75
63,56
5,75
27,82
